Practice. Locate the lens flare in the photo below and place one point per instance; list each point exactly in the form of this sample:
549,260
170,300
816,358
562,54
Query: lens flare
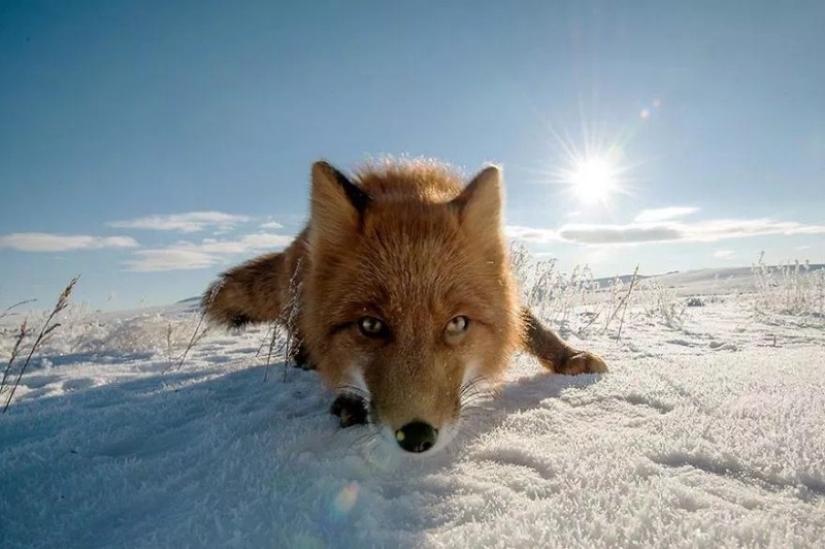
345,501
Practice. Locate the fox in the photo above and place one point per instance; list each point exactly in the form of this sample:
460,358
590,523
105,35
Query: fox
399,291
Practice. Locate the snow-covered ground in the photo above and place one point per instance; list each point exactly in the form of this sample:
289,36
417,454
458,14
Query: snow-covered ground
708,432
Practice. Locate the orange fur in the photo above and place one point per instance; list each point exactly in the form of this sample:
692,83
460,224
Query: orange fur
408,243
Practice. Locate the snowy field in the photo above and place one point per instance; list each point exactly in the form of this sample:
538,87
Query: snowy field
708,432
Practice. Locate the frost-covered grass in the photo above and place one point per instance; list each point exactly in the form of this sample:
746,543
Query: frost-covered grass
789,289
577,303
706,433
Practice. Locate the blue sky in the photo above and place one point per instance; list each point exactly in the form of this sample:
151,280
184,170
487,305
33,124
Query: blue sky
150,145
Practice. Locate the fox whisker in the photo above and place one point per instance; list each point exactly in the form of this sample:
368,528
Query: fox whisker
364,439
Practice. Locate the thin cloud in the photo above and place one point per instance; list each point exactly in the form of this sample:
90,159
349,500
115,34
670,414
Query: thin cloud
619,234
271,225
45,242
531,234
641,233
209,252
247,243
170,260
713,230
184,222
664,214
723,254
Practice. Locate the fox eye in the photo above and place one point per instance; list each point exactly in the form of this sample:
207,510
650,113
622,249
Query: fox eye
457,326
372,327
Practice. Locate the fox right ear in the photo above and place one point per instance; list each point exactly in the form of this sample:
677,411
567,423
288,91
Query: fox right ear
337,205
481,200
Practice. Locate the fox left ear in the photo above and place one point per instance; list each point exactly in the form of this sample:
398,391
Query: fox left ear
479,204
337,204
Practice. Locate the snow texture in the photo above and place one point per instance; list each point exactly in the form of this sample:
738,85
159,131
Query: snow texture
706,435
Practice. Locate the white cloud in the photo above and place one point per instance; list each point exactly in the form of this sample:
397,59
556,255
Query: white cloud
210,251
247,243
45,242
618,234
664,214
530,234
184,222
667,231
260,241
723,254
170,259
271,225
713,230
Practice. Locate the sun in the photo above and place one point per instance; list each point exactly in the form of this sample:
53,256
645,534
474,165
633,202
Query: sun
592,169
593,179
594,175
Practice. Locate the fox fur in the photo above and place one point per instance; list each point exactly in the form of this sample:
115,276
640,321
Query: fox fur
399,291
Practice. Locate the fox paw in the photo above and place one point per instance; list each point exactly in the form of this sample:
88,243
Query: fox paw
300,358
351,410
583,362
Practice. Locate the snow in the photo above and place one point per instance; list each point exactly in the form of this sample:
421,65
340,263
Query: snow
706,433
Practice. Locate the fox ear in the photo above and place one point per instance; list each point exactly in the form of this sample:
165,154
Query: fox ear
337,204
479,204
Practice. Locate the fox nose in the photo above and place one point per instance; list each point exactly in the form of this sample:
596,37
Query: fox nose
416,436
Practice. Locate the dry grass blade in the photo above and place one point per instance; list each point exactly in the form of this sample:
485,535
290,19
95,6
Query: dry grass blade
15,352
623,303
270,349
8,310
289,319
169,332
48,328
197,335
593,318
627,301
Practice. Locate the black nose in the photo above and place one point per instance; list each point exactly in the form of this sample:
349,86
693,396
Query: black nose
416,436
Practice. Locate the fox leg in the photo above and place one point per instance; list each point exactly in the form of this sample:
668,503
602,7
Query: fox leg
553,353
264,289
300,357
350,409
249,293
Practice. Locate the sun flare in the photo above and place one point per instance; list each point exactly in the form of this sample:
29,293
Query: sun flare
592,176
592,169
593,179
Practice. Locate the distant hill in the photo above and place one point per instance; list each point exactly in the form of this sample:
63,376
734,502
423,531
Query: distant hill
707,281
608,280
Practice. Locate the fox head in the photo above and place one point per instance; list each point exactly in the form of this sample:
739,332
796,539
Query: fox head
408,295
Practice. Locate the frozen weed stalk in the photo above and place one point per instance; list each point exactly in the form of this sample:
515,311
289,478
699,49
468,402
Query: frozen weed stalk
796,289
663,305
573,302
48,327
556,295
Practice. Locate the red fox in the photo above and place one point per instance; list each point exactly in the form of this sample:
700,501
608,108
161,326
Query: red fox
399,291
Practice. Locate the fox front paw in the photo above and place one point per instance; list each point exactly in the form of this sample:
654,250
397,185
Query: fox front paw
582,362
350,409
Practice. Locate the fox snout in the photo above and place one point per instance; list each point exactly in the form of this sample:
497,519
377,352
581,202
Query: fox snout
416,436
